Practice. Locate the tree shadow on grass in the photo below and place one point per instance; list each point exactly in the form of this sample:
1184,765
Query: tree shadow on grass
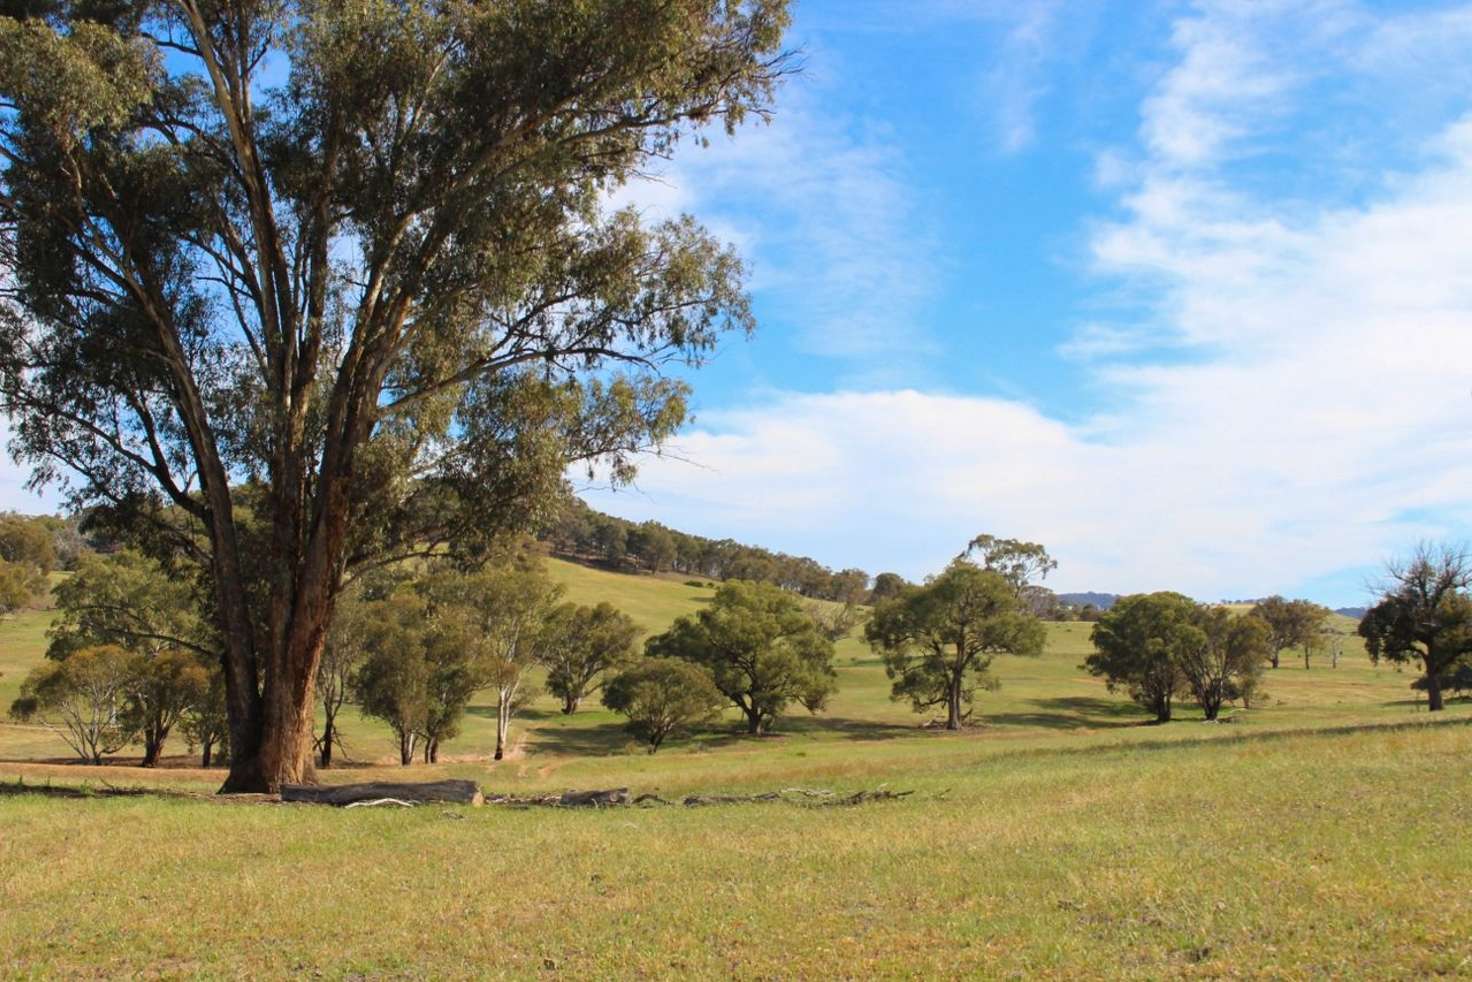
48,790
597,740
847,726
1071,713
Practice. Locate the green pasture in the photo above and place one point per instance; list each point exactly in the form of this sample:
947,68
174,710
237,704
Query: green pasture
1043,703
1323,832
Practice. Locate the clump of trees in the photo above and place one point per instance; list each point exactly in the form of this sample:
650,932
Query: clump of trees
938,641
84,699
1424,617
580,532
126,612
762,651
1158,646
1291,624
582,644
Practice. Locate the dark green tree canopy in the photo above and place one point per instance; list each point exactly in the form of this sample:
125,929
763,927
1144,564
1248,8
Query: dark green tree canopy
579,644
661,697
1021,563
1290,623
302,286
938,640
1424,616
760,647
1221,656
1138,644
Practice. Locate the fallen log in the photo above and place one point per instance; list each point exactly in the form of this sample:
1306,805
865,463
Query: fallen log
455,792
618,797
594,799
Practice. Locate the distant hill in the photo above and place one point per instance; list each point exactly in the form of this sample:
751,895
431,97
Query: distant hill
1101,600
1357,613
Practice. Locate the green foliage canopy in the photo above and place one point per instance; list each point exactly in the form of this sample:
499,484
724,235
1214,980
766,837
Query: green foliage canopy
663,696
1138,644
1424,616
579,644
349,267
938,640
761,649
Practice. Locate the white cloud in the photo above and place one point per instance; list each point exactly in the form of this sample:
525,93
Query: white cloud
1315,410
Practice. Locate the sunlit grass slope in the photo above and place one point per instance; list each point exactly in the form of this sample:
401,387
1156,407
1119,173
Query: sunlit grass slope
1043,702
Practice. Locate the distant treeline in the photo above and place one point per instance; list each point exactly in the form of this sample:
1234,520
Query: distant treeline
583,533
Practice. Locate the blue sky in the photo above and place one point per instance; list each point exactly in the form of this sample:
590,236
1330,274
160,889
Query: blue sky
1182,290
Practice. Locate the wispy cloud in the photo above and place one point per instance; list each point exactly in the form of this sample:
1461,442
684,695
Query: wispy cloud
822,206
1318,289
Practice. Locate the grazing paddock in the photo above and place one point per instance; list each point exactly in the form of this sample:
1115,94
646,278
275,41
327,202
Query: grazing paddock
1323,831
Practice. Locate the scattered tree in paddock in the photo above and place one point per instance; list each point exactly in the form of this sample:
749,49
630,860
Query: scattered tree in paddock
162,688
206,725
343,652
20,583
1020,563
27,541
579,644
760,647
938,640
834,622
1137,644
506,609
663,696
232,250
392,684
887,586
83,699
1291,624
1424,616
133,602
1221,657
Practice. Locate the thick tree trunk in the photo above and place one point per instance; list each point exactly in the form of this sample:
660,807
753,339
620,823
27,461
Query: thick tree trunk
1433,690
153,746
953,704
433,750
1162,710
569,705
1274,659
753,720
206,751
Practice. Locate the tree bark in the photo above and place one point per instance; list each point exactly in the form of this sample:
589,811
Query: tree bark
153,746
406,749
953,704
1433,690
205,753
458,791
327,737
569,705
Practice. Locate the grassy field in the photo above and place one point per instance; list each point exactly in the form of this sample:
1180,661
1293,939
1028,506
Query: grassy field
1323,832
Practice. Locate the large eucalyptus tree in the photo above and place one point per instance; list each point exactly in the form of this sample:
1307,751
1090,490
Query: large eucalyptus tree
302,286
